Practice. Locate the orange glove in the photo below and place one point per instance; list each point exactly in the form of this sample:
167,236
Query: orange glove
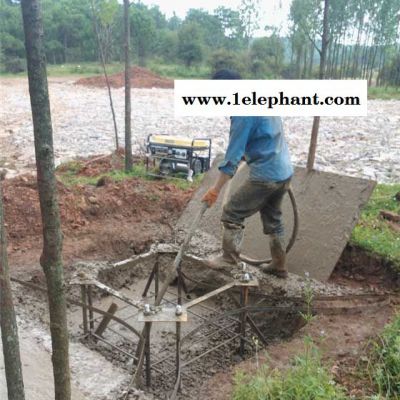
210,197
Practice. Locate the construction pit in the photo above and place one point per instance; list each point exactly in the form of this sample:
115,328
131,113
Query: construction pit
206,322
224,318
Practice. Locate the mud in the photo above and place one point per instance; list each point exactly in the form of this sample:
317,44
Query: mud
358,269
140,78
100,221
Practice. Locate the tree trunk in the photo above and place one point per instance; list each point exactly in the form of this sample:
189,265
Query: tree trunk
9,329
315,127
128,132
103,63
342,72
310,66
357,48
372,65
50,259
304,74
380,66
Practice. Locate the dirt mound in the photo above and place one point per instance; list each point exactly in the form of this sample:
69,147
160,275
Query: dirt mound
112,220
140,78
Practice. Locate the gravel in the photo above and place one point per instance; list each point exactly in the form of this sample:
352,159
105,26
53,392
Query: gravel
367,147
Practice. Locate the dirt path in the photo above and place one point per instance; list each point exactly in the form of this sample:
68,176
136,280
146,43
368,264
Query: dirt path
365,147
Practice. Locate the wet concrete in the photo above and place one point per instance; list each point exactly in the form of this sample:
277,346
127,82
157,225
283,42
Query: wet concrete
328,205
37,371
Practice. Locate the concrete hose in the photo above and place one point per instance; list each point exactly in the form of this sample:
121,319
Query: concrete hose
292,240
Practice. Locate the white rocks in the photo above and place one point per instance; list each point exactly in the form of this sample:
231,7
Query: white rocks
366,147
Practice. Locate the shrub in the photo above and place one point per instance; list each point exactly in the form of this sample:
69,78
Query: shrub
384,366
14,65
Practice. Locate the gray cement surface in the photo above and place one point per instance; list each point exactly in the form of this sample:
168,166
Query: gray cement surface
328,205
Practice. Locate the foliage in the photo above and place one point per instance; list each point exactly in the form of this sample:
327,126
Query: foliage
190,49
226,59
179,71
384,365
266,56
306,379
363,43
144,33
372,232
249,11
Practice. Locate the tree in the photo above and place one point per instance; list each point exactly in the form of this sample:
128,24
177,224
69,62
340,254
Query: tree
232,26
50,259
128,131
105,14
268,52
250,17
212,31
167,46
144,32
226,59
315,127
190,49
9,329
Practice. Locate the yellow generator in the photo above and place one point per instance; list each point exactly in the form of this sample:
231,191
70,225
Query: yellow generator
177,156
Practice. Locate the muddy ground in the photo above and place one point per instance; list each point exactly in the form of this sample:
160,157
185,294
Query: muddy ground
101,223
110,221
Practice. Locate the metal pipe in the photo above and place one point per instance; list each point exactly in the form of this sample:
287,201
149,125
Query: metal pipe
244,297
90,303
147,352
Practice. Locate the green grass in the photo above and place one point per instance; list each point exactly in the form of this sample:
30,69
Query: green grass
79,69
306,379
68,174
372,233
384,93
84,69
384,365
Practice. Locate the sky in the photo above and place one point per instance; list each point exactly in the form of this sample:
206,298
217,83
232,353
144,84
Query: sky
272,12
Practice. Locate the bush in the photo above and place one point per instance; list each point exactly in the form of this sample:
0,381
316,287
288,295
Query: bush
225,59
14,65
307,379
384,366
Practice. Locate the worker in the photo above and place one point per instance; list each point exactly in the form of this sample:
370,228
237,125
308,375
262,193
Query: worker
261,143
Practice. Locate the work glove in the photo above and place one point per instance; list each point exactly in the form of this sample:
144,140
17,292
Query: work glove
210,197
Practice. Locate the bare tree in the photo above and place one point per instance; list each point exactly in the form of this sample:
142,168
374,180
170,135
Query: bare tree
9,329
103,63
50,259
128,131
315,127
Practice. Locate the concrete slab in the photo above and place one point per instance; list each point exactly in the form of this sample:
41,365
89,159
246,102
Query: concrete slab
328,205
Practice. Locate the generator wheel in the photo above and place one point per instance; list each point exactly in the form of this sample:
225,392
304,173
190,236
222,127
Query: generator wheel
197,166
166,167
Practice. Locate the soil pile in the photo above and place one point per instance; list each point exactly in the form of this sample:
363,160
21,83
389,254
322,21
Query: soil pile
140,78
112,220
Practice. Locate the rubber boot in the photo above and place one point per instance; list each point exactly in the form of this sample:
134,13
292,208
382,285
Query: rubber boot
277,266
231,241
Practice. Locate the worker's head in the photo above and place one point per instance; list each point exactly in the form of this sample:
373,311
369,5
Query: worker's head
226,74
